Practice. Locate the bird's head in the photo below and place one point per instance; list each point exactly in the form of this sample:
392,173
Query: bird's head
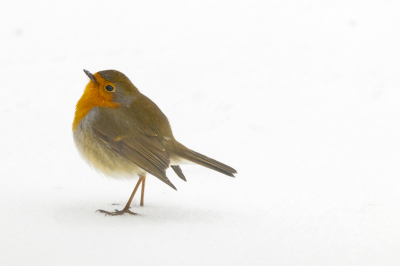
107,88
112,86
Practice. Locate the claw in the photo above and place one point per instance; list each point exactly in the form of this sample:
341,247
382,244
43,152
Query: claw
117,212
127,206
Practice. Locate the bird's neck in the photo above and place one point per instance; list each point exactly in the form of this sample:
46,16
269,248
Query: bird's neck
91,98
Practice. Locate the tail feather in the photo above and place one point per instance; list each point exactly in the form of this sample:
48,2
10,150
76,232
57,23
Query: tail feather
205,161
178,171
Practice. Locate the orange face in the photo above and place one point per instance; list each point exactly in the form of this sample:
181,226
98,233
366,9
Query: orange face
96,94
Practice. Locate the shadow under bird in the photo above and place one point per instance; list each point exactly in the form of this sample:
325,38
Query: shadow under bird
122,133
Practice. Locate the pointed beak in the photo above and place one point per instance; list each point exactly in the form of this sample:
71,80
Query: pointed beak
90,75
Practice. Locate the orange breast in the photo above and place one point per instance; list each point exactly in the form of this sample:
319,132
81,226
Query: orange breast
94,95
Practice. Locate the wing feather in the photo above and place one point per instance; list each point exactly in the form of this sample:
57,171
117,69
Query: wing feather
143,149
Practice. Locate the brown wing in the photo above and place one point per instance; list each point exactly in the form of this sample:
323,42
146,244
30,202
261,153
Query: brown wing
143,149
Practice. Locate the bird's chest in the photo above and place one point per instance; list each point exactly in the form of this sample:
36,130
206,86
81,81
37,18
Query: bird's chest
97,153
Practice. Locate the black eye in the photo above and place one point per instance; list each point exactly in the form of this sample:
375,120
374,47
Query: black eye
109,88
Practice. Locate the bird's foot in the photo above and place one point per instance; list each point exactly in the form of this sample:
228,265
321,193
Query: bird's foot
117,212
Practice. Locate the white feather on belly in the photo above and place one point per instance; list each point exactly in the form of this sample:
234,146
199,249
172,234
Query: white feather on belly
99,155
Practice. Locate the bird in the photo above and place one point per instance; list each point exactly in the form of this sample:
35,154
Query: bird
122,133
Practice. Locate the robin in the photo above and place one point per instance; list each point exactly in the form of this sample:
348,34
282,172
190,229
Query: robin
122,133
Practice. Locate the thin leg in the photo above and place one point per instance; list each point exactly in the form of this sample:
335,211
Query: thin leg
126,209
134,192
142,196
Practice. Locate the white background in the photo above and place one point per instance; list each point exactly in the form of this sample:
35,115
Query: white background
301,97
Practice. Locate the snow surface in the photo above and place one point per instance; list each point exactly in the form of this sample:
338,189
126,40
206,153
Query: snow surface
301,97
